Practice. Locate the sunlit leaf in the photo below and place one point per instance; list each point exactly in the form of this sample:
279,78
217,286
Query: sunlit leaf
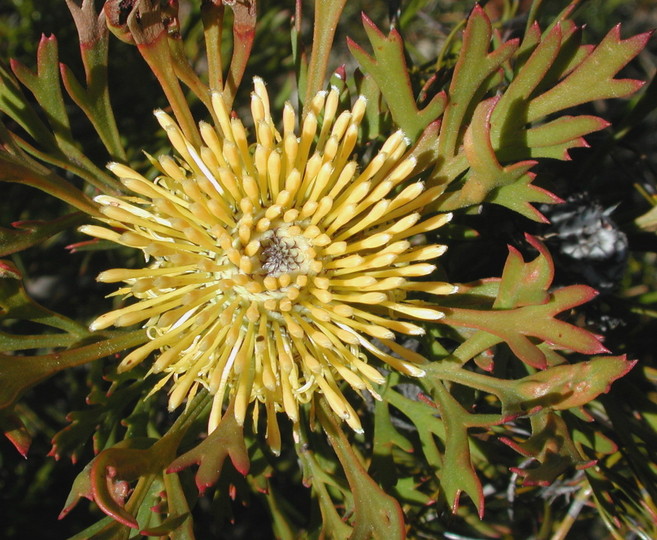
375,514
388,68
519,326
227,440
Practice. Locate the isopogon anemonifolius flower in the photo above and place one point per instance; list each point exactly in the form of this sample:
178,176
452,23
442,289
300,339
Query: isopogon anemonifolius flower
273,264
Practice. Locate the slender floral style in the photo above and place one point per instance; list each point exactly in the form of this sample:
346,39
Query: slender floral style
274,264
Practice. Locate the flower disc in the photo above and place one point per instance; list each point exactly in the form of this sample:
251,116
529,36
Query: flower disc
273,264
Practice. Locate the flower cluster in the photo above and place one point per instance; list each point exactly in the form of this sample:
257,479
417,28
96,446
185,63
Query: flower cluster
274,266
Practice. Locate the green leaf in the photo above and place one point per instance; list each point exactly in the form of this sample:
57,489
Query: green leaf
323,481
388,68
19,373
560,387
569,386
114,468
457,473
406,490
588,436
559,74
107,410
46,88
45,85
427,422
524,284
475,65
9,342
16,166
14,429
508,186
81,488
373,124
522,324
179,522
552,446
94,100
142,460
551,140
14,104
325,23
26,234
16,304
549,73
226,440
104,529
510,112
376,514
385,438
593,78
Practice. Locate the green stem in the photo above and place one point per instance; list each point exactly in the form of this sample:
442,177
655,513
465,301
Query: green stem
49,182
19,373
299,52
92,174
474,380
200,405
244,24
212,16
187,75
157,55
327,15
444,49
533,12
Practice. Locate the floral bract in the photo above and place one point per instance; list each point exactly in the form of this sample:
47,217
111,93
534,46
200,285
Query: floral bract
274,264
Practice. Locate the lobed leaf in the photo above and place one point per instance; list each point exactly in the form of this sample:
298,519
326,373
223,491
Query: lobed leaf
107,409
568,386
552,446
45,85
323,483
227,440
487,179
376,514
457,472
14,104
475,65
524,284
388,68
16,166
385,438
106,480
94,100
16,304
559,74
517,325
594,77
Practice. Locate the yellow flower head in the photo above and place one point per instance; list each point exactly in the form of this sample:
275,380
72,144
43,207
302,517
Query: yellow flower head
273,263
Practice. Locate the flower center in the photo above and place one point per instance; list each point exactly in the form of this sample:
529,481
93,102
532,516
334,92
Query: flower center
282,253
274,259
